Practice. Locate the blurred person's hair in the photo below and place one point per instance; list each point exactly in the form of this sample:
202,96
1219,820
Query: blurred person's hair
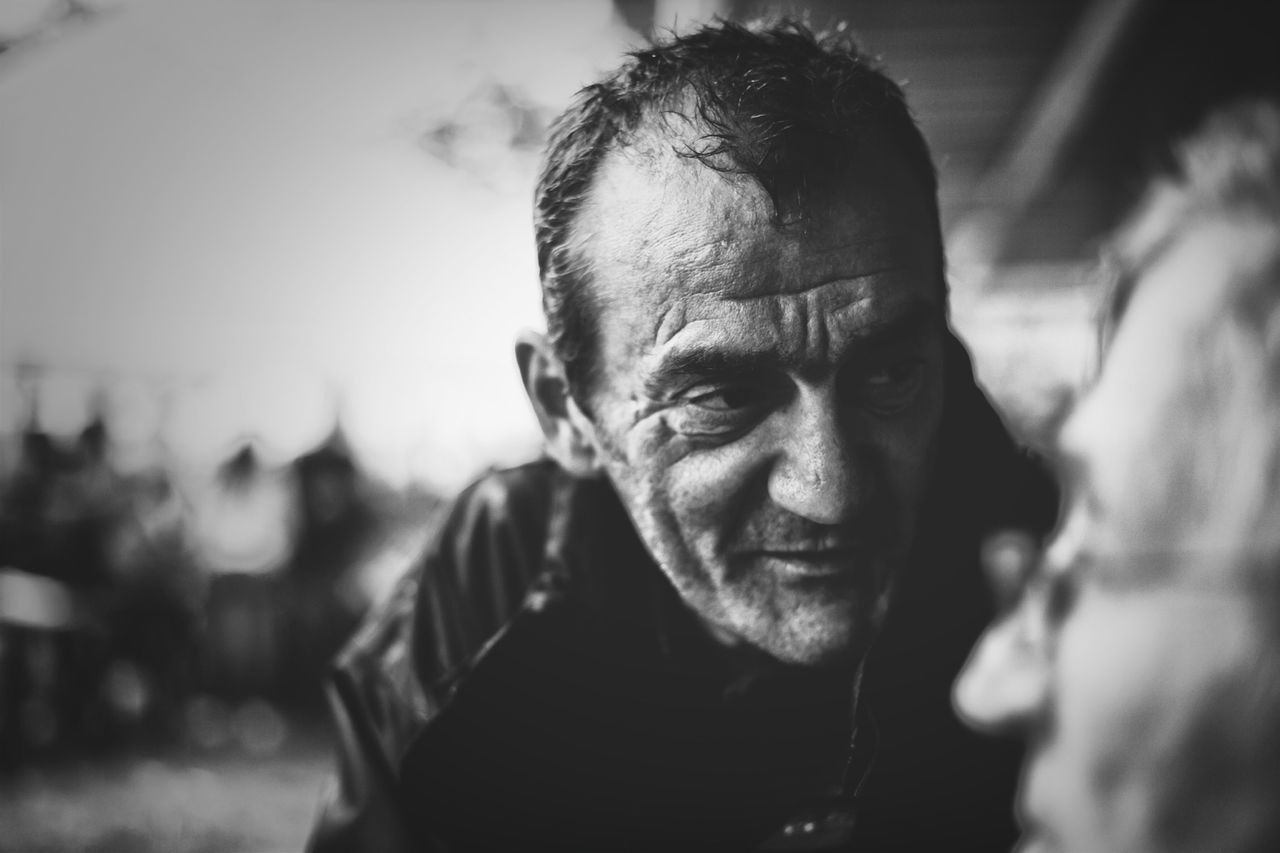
1218,465
1227,177
1228,170
790,108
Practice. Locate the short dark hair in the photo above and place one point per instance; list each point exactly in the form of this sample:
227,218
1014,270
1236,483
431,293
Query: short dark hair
773,101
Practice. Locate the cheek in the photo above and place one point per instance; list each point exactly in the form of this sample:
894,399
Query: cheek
1138,679
714,487
1107,683
704,490
1082,781
1133,676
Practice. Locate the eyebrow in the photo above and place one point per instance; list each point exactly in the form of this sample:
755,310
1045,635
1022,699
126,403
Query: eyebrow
701,361
914,318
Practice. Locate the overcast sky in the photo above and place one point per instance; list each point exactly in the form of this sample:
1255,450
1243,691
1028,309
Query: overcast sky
292,202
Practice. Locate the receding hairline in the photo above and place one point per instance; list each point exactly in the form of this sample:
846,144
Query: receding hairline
776,98
875,169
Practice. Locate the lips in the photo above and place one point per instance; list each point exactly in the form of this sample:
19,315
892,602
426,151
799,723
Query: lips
812,562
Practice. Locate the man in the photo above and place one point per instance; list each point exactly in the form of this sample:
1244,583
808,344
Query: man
765,452
1144,659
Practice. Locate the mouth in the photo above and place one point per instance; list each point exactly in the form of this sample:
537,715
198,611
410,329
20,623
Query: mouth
812,563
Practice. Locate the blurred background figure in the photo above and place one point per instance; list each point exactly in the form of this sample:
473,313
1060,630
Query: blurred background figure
239,234
1144,658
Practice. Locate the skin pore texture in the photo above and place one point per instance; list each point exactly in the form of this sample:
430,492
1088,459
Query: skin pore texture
1138,663
767,393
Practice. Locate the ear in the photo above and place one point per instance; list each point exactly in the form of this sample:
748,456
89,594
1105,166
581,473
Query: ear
569,435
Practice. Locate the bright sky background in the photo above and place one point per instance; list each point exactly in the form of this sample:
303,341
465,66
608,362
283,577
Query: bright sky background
232,199
233,213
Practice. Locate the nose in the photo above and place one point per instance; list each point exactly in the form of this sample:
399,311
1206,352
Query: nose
1005,683
820,472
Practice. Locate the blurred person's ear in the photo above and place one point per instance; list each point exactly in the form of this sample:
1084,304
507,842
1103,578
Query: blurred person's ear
567,431
1009,561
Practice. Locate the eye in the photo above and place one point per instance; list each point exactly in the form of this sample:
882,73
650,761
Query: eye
891,386
724,399
896,373
720,409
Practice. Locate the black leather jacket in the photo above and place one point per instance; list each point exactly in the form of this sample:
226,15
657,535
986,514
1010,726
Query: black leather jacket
536,684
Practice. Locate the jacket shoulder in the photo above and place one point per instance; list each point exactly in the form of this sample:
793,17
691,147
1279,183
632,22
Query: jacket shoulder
469,581
475,573
394,675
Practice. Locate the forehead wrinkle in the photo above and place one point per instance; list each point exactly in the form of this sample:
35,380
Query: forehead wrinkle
902,312
840,260
795,332
671,320
812,324
825,294
809,317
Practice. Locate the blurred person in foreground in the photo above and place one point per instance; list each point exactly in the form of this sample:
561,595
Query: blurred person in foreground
765,451
1143,660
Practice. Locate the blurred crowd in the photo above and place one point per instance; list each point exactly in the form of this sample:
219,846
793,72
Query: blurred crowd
144,605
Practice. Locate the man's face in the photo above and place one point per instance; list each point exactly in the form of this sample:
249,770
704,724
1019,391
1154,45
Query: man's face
1133,648
768,395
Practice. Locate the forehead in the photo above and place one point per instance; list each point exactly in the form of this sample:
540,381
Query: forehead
653,210
674,246
1145,442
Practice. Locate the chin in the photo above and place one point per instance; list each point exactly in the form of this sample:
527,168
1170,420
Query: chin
835,658
832,647
808,630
